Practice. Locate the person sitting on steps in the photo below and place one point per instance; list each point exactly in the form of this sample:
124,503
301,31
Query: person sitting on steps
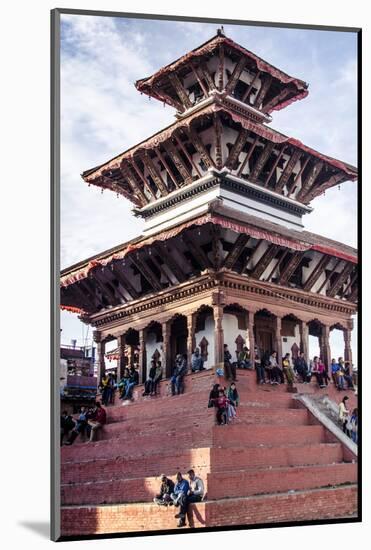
166,489
195,494
243,359
158,376
222,403
150,379
229,367
180,494
197,363
180,370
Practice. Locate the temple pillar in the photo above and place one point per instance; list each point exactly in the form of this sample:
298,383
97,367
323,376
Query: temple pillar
325,345
304,340
121,364
165,356
101,349
191,339
347,346
251,337
142,356
218,334
278,338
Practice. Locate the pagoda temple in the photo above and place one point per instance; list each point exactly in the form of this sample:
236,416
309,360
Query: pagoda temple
223,257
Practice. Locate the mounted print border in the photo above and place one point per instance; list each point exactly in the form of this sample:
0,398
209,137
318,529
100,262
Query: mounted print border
216,317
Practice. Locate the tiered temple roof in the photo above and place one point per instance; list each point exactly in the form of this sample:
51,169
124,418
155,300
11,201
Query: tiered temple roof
221,192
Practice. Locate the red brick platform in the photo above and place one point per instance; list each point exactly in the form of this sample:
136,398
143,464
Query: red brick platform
274,463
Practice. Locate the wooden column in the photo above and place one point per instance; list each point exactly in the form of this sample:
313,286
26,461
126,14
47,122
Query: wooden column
191,340
166,359
121,364
218,335
348,356
325,345
99,361
251,336
278,339
304,340
142,356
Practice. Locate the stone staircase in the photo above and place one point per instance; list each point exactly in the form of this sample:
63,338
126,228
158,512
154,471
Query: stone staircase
274,463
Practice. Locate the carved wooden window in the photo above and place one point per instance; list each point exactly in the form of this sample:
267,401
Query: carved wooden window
204,344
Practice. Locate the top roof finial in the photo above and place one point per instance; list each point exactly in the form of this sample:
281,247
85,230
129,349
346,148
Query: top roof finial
220,32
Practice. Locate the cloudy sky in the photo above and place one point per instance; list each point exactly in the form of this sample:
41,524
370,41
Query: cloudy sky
103,115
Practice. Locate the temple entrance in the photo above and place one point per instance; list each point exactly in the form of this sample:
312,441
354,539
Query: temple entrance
264,330
178,338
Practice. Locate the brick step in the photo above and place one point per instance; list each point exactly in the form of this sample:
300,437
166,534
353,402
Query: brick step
277,480
246,415
201,460
218,486
242,435
315,504
156,406
236,458
166,461
139,445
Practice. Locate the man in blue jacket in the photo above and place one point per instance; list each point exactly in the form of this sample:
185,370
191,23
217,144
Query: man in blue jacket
179,496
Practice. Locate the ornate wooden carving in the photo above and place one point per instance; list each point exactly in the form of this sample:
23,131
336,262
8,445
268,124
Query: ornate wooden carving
267,81
204,344
165,253
168,99
124,281
180,90
196,251
316,190
262,159
291,188
147,161
236,149
353,295
133,184
197,142
146,272
221,68
247,158
264,261
162,159
351,283
310,179
237,249
295,351
199,80
207,76
329,275
217,247
248,91
143,179
290,267
340,280
240,342
239,67
275,100
218,142
188,156
278,265
160,268
279,156
178,161
105,287
316,273
287,171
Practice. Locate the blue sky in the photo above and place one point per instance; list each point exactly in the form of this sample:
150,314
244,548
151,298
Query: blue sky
103,114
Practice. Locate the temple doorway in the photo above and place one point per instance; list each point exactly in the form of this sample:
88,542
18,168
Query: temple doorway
178,337
264,330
